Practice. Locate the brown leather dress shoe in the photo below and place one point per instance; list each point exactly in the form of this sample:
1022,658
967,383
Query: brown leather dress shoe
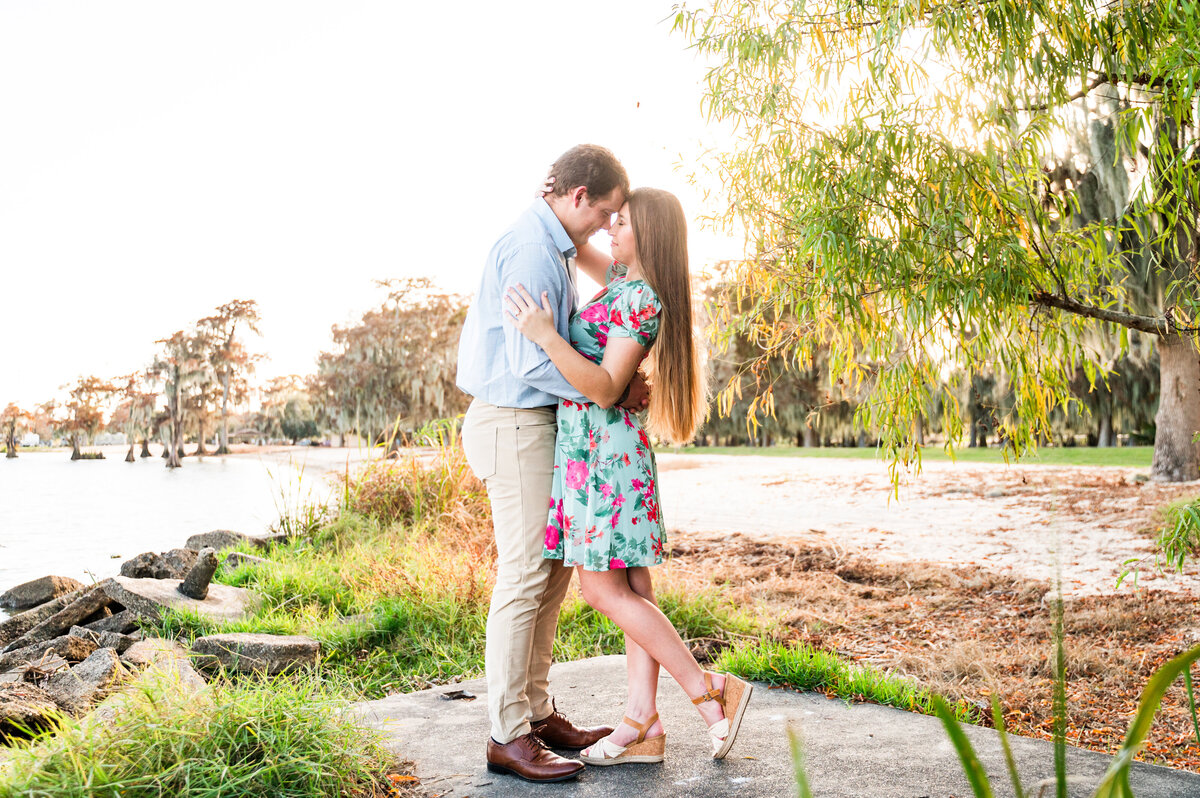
558,732
528,758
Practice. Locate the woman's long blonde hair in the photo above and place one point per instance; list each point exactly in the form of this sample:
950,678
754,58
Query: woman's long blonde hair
677,401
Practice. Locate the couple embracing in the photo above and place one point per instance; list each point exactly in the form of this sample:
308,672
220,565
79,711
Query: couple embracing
553,424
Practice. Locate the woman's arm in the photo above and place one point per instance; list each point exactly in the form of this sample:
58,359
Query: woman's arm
594,263
602,383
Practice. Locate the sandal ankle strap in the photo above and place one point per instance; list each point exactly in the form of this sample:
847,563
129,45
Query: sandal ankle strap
713,693
642,728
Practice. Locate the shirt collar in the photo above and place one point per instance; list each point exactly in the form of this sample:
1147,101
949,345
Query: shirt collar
542,210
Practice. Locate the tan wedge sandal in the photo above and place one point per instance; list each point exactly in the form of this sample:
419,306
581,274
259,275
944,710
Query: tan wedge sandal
733,699
606,752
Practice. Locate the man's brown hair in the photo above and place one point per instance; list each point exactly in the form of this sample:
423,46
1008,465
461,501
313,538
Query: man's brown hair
590,166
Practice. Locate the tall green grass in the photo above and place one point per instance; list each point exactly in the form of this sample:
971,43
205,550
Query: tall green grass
286,737
803,667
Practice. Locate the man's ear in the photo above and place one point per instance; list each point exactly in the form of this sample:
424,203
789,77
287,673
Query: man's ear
578,195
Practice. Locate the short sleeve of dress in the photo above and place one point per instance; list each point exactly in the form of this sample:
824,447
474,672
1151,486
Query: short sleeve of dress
614,271
635,313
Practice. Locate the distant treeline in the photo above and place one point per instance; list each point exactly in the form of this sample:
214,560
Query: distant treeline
393,372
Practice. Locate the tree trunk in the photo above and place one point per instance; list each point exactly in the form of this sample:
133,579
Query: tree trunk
200,450
75,455
1105,438
919,430
145,447
175,447
129,458
223,433
811,441
1176,454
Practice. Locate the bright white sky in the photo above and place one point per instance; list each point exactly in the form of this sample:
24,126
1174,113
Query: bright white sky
160,158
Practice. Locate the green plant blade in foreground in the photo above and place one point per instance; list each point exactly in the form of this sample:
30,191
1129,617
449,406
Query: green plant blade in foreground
1009,761
797,747
1116,780
974,771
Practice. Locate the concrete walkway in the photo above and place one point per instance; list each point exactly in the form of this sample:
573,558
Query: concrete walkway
859,751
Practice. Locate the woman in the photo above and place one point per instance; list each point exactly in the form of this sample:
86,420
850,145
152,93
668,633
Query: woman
604,518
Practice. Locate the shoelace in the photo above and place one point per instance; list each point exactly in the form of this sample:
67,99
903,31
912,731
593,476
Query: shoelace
537,742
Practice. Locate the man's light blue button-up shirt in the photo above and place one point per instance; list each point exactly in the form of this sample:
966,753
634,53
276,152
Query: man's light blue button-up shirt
495,362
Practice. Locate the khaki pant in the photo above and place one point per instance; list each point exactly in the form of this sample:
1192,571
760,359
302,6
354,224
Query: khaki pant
512,451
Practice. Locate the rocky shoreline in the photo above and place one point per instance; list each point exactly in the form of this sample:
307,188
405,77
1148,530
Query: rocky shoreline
70,649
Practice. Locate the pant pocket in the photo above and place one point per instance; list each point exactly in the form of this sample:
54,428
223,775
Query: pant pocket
479,445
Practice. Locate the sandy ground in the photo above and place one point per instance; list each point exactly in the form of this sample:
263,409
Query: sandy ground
1009,519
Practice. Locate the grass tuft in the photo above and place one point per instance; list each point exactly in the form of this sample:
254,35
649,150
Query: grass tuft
286,737
805,668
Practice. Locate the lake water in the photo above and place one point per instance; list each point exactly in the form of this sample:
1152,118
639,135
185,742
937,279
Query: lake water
83,519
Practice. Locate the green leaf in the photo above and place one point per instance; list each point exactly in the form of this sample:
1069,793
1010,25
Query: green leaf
974,771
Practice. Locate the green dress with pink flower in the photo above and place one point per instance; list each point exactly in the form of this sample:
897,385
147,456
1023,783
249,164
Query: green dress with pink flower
604,505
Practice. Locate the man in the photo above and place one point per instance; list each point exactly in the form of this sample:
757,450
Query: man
508,436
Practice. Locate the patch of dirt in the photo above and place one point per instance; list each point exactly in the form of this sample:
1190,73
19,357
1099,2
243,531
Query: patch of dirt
966,632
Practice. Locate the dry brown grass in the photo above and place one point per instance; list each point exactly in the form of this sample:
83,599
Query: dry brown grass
966,633
438,490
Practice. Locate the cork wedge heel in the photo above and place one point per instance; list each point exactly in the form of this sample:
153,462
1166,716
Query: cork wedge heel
606,752
733,698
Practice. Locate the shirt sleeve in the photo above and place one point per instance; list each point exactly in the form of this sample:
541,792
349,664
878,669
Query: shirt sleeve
537,269
635,314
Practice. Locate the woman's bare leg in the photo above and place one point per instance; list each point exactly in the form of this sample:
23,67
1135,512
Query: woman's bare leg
642,670
653,638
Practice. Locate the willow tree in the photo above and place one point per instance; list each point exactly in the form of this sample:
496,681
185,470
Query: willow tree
85,410
395,368
229,358
897,168
179,366
11,419
135,414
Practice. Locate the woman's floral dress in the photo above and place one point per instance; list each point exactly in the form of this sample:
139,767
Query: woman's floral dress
604,505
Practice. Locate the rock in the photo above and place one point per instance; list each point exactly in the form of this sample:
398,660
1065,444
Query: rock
167,674
38,591
173,564
180,561
148,597
148,565
24,708
226,539
153,650
123,622
168,657
255,653
88,602
217,539
89,681
18,625
120,643
195,584
69,648
236,558
104,613
31,672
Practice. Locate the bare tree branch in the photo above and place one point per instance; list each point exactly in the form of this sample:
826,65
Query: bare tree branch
1154,325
